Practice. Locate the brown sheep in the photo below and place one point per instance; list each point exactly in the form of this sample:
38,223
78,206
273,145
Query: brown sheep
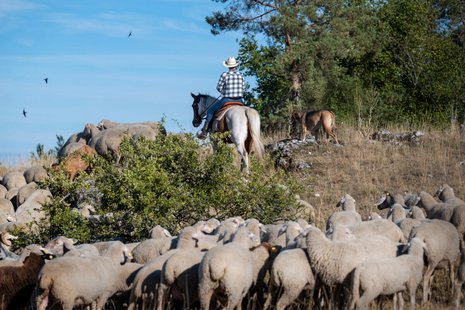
17,282
76,162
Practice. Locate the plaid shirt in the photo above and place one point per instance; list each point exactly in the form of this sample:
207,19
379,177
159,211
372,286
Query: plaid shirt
231,84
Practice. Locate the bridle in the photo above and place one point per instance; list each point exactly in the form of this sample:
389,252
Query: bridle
198,117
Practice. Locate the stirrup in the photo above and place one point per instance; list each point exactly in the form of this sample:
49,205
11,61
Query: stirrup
202,135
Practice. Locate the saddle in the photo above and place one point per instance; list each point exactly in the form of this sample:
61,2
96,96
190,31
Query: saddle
220,125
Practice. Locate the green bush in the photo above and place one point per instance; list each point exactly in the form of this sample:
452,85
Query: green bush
171,181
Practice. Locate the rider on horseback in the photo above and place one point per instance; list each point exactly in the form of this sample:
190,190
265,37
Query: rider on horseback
231,85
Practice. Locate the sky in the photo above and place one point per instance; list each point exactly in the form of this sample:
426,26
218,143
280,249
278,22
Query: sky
97,71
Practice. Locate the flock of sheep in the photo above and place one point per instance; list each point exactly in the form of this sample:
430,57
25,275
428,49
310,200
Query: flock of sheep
239,262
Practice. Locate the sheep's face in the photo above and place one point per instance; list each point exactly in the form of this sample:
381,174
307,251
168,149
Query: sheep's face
126,256
382,202
254,240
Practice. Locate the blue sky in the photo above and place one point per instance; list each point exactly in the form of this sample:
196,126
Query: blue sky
95,71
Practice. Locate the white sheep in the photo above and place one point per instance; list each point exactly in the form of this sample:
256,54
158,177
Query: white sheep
388,276
35,174
290,274
434,209
399,217
228,269
228,227
13,179
161,242
347,216
333,261
387,200
75,280
367,229
446,194
147,281
180,269
442,247
451,212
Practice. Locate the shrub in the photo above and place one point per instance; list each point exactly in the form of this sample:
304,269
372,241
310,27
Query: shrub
171,181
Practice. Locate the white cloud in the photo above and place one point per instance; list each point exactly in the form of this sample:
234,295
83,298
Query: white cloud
9,6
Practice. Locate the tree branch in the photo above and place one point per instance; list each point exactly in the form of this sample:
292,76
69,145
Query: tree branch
257,17
265,4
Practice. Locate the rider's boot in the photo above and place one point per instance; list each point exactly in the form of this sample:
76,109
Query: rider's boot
204,132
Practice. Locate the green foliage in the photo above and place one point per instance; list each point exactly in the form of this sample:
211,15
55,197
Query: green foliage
373,62
171,181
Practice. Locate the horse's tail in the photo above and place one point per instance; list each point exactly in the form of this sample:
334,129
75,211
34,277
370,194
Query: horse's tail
254,132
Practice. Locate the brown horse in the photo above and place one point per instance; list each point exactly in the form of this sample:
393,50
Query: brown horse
312,121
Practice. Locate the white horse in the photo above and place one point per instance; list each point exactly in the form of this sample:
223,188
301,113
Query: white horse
242,122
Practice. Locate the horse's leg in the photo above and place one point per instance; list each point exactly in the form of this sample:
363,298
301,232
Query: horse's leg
244,157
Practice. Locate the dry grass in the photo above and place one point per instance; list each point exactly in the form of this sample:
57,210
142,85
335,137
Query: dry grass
365,168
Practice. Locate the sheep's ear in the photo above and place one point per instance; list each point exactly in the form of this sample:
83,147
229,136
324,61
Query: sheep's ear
282,230
46,254
167,233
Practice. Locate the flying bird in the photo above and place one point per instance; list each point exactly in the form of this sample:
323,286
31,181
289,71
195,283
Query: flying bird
130,34
24,112
46,80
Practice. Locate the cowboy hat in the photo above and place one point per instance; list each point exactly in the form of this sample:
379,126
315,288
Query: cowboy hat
230,62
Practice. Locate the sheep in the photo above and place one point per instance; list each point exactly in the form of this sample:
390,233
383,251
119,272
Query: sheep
446,194
70,148
151,248
399,217
3,191
35,174
107,141
274,234
263,256
6,206
291,230
228,227
17,282
228,269
367,229
333,261
71,280
442,246
78,139
179,278
387,200
24,192
13,179
182,268
347,216
64,246
304,209
288,280
434,209
417,213
147,281
387,276
451,212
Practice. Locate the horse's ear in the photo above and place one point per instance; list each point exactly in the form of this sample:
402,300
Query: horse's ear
193,96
